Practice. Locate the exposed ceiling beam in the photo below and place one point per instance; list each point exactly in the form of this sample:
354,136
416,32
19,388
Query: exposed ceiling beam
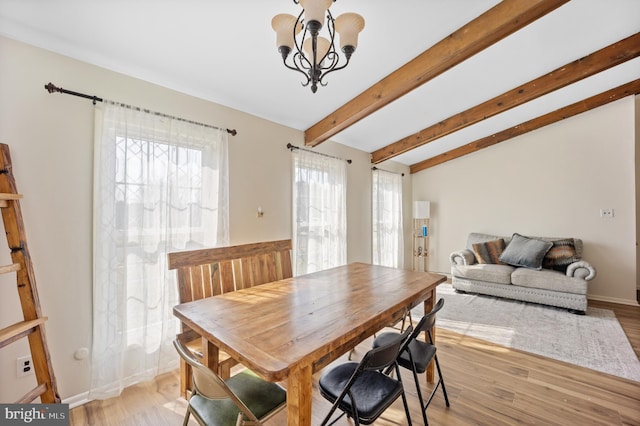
498,22
632,88
603,59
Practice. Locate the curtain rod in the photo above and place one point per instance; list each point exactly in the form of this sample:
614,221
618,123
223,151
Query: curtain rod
53,88
292,147
388,171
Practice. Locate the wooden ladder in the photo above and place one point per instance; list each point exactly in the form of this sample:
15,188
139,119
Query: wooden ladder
32,326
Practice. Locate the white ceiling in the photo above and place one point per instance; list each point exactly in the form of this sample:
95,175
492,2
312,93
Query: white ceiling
224,51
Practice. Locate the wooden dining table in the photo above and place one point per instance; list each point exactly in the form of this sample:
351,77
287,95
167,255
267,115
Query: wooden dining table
289,329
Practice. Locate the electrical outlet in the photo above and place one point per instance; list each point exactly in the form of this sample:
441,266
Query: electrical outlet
606,213
24,366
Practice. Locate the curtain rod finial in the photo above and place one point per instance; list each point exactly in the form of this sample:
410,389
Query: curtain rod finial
51,88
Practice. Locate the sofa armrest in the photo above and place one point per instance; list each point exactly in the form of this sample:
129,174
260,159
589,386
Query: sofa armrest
581,269
462,257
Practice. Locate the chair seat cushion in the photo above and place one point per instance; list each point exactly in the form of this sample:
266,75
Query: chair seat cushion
422,352
260,396
373,391
210,412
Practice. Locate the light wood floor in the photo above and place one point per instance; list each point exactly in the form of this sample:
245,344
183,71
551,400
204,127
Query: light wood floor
487,385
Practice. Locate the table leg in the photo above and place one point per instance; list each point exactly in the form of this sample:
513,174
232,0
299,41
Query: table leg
210,354
428,306
299,396
185,379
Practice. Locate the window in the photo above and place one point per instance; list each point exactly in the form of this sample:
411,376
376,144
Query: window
387,240
160,186
319,212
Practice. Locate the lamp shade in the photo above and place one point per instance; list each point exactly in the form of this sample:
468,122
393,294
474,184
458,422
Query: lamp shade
315,10
421,209
283,25
348,26
323,46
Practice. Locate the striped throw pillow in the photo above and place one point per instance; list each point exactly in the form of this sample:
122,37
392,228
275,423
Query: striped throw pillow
562,254
489,251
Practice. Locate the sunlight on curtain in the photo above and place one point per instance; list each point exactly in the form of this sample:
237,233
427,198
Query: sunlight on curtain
388,243
319,212
160,185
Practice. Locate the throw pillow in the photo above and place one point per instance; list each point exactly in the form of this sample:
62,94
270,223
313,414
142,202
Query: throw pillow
526,252
562,254
489,251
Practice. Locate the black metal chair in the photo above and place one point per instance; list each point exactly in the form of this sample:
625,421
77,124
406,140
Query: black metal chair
243,399
415,355
407,315
362,390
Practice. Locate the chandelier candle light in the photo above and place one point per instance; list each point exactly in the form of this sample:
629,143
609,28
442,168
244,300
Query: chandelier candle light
316,56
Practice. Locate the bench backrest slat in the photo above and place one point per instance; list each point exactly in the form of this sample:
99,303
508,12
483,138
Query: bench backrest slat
213,271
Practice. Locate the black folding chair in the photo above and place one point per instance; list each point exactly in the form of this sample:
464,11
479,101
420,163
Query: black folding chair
415,355
362,390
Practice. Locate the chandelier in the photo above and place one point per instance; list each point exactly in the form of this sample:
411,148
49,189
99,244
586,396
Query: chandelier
315,56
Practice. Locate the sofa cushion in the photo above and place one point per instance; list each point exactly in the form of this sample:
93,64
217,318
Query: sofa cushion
526,252
562,254
500,274
548,280
489,251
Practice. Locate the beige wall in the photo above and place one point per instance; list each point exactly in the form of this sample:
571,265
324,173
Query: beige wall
51,137
549,182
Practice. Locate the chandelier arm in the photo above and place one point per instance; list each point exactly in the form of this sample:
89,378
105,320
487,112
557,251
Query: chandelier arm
298,41
296,68
332,58
301,62
332,70
332,37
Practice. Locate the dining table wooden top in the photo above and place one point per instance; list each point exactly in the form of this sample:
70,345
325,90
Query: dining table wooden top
292,328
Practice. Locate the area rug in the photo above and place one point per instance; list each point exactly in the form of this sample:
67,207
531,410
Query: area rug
595,340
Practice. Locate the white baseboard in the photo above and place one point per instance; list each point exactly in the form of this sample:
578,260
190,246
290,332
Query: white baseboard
613,300
77,400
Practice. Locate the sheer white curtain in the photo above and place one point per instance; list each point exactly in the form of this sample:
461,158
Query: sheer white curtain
388,243
160,185
319,212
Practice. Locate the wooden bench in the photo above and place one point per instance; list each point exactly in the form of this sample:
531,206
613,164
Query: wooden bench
213,271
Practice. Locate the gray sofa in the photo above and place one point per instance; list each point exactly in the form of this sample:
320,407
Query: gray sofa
548,271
